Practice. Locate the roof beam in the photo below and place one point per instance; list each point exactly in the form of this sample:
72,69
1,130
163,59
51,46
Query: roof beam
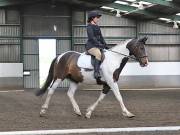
122,7
131,9
163,3
151,15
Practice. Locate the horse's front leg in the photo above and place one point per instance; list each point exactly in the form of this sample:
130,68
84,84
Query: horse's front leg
115,89
90,109
114,86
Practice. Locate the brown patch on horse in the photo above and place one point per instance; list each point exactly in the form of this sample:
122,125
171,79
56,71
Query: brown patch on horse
117,72
67,67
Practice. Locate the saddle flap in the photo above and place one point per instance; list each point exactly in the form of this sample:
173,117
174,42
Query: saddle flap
84,61
87,61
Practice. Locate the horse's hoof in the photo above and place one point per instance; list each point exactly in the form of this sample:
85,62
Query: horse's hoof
128,114
88,115
42,113
78,113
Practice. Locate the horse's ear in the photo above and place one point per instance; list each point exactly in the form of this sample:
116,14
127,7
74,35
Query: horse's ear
144,39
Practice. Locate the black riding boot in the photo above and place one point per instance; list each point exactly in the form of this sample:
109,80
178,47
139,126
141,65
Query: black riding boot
96,69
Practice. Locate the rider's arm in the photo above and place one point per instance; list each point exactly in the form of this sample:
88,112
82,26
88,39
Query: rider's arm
103,42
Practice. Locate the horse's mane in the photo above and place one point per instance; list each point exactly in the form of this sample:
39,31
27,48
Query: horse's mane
122,43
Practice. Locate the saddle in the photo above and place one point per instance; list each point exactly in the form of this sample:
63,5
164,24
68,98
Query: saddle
87,61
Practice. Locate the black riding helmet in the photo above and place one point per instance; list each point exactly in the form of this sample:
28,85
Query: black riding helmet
93,14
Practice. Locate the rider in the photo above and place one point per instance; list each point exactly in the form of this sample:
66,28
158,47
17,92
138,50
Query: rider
95,43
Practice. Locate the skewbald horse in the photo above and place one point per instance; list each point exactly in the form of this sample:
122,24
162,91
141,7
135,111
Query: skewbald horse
65,67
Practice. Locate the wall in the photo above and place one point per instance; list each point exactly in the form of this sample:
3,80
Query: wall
38,22
10,46
163,41
11,75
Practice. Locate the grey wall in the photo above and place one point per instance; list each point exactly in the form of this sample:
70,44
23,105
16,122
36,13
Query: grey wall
9,35
10,41
163,41
38,22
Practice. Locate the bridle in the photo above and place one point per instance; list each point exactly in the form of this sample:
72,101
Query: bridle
129,56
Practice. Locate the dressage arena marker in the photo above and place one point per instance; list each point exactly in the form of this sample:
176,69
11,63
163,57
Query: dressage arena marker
93,130
6,91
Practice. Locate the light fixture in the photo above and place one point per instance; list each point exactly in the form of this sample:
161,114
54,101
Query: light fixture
121,2
118,13
108,8
55,28
175,26
146,3
131,0
178,14
141,7
165,19
134,4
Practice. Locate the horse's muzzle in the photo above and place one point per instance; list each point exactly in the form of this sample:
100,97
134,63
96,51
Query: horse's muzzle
144,61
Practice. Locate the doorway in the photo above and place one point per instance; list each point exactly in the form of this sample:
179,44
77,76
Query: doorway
47,52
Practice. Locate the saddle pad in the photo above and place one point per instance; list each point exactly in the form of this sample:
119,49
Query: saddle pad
84,61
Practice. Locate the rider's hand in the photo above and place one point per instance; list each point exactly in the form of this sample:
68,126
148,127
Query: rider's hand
106,47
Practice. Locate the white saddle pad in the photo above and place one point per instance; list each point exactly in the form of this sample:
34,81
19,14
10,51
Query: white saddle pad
84,61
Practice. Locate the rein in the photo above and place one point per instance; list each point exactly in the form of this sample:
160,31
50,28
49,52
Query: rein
123,54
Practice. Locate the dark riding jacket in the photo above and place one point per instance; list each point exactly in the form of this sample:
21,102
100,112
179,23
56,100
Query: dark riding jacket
95,38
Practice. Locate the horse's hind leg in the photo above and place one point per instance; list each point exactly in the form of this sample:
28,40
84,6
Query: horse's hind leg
70,93
90,109
49,95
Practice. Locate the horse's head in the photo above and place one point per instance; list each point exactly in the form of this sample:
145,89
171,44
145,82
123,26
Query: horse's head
137,48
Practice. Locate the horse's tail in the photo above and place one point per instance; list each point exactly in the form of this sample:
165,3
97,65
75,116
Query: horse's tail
48,80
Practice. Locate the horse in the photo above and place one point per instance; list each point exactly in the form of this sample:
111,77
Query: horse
69,65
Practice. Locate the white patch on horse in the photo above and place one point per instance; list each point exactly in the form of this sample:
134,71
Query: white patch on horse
122,47
84,61
88,76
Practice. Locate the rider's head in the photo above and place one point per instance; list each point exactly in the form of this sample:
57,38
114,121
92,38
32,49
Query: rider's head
93,16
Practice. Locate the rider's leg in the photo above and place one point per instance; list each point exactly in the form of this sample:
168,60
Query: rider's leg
97,53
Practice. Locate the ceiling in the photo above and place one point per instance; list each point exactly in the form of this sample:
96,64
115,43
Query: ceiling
147,9
152,9
83,3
